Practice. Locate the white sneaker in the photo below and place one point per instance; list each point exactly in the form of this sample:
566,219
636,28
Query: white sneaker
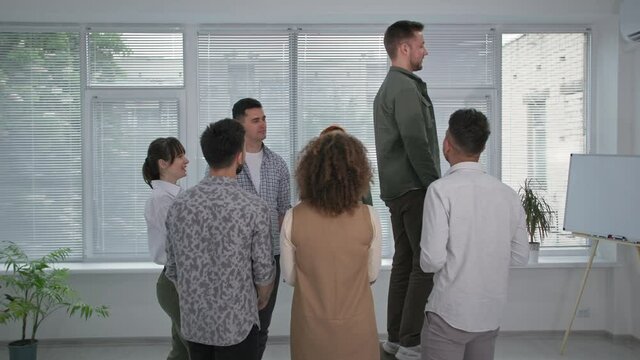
390,347
408,353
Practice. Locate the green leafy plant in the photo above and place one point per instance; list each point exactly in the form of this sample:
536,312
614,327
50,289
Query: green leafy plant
539,215
33,290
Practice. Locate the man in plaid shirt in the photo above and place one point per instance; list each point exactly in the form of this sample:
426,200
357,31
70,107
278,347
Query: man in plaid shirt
265,174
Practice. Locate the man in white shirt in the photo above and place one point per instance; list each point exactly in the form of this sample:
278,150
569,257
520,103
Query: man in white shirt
474,228
265,174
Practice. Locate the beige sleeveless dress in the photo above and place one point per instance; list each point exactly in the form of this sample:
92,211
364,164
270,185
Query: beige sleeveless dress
332,315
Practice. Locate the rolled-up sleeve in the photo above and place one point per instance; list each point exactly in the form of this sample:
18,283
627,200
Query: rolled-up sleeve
284,191
261,256
287,250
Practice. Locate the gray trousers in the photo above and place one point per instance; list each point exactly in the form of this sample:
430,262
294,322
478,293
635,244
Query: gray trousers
441,341
168,299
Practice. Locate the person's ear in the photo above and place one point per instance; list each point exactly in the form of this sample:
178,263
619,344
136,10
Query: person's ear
163,164
404,48
240,158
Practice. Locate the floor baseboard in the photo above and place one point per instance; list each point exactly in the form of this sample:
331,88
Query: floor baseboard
283,339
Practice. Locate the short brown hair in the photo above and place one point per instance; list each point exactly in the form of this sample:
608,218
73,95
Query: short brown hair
333,173
398,32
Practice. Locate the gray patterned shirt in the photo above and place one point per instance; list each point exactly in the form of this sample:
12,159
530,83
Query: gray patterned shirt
274,189
218,249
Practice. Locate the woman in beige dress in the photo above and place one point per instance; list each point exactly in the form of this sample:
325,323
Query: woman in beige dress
330,253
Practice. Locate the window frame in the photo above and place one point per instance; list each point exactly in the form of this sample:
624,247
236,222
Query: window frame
88,93
188,95
547,254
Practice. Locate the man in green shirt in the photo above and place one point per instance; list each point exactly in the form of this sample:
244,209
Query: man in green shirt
408,161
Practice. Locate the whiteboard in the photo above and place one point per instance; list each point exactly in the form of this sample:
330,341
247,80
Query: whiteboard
603,196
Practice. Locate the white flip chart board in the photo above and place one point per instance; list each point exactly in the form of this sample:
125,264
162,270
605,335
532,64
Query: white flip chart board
603,196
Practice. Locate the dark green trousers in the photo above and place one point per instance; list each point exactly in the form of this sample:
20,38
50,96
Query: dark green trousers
409,287
168,299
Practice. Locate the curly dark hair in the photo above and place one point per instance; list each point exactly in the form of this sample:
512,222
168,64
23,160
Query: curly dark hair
333,173
470,130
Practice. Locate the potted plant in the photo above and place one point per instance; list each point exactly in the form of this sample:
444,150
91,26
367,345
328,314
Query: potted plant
31,290
539,217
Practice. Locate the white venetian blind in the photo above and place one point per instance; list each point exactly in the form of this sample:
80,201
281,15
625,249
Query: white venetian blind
122,131
129,59
459,69
543,115
308,80
236,66
338,78
40,142
459,56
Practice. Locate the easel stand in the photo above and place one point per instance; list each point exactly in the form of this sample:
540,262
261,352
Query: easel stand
594,247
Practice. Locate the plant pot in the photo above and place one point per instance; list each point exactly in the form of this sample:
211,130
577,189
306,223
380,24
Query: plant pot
534,251
23,350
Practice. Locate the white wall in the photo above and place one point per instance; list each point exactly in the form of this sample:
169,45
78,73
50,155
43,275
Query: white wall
540,298
629,108
305,11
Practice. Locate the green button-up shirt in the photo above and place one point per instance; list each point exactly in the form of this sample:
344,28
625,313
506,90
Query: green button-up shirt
406,140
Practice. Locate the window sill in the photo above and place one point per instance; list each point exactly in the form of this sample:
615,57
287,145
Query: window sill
563,262
544,262
548,262
112,267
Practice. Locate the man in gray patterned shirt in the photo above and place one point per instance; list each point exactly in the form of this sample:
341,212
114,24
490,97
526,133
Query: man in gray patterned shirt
219,253
265,174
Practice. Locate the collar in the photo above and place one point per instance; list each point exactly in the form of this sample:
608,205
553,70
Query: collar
165,186
266,151
465,165
267,155
406,73
219,180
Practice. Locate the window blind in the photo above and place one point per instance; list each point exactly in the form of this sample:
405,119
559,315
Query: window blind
122,131
128,59
40,141
236,66
459,56
338,78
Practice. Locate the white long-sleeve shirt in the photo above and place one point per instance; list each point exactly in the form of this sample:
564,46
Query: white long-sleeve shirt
155,213
287,249
473,229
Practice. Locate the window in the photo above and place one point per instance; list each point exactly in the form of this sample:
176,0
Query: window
236,66
459,72
543,115
308,79
124,120
122,131
79,106
40,141
119,59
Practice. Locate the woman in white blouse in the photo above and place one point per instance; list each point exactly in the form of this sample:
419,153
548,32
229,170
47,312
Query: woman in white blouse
165,164
330,253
